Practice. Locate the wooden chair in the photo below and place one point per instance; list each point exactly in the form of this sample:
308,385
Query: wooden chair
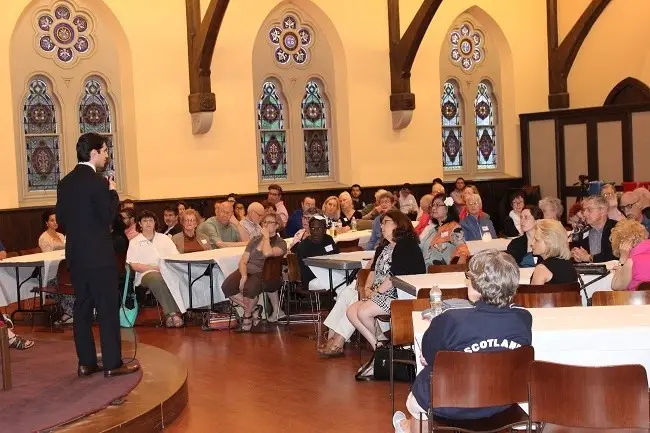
401,334
5,359
549,295
439,269
481,379
588,397
457,293
605,298
271,278
349,246
62,286
643,286
364,224
30,251
294,287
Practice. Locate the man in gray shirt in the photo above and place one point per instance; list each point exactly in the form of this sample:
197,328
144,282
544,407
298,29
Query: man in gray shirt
222,231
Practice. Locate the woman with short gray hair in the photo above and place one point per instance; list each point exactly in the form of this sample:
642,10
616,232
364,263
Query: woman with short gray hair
492,324
552,208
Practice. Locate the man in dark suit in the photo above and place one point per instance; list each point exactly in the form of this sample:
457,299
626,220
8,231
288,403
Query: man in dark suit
87,205
594,244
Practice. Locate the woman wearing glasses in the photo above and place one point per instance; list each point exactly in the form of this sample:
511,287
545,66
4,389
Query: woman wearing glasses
244,286
512,224
609,194
443,240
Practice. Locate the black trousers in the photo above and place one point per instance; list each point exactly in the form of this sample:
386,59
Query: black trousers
97,289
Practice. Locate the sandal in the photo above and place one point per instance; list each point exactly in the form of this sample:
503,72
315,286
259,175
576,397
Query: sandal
169,322
256,315
20,343
64,320
246,324
178,321
331,351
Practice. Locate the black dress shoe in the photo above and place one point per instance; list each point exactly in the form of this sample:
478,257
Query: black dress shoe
124,369
87,370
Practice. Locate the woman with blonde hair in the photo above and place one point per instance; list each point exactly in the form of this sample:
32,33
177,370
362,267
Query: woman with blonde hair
332,210
551,244
630,243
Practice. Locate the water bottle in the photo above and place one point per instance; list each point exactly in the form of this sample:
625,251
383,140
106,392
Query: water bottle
353,224
435,299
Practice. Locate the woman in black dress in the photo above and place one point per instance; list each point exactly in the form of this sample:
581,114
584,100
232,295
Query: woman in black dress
552,245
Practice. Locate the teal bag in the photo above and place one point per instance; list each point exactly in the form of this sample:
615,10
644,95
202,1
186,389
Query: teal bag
129,307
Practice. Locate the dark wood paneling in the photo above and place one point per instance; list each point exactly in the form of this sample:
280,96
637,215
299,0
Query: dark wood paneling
20,228
629,91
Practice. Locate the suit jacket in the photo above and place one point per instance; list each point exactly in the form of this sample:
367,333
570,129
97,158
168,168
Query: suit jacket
606,253
87,209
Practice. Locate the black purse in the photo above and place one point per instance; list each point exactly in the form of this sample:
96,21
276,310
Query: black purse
401,372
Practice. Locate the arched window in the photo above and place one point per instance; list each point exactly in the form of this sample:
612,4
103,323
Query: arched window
452,129
314,124
484,119
42,137
95,115
270,122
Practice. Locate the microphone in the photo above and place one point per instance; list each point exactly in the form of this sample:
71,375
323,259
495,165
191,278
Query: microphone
108,174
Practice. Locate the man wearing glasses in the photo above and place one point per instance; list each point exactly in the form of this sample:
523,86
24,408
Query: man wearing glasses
251,222
594,245
632,206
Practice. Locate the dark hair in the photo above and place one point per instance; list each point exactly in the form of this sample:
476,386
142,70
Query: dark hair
535,211
516,194
147,214
403,225
202,207
47,214
356,185
460,178
267,205
127,201
406,186
129,212
308,196
275,186
233,195
181,202
437,180
87,143
171,208
452,213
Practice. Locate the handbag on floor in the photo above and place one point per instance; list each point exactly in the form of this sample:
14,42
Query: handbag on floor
401,372
129,307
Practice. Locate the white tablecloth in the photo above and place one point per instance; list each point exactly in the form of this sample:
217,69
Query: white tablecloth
589,336
8,293
322,273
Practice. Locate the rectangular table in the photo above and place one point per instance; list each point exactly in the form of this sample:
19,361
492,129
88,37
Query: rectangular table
336,268
20,275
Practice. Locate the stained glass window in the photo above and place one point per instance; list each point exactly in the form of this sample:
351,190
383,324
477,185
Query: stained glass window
273,145
95,116
452,129
64,34
314,124
291,41
40,126
466,45
486,139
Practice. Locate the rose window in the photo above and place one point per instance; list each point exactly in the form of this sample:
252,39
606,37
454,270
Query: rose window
467,46
64,34
291,41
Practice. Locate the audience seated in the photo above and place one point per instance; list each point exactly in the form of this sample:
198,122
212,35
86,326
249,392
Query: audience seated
493,279
644,194
595,246
172,224
189,240
232,199
295,220
274,197
355,192
512,224
251,222
244,286
631,205
269,207
222,231
373,210
630,243
332,211
127,204
457,194
475,225
577,221
424,214
443,240
608,192
408,205
552,208
180,207
520,248
144,254
317,244
50,239
437,187
303,233
128,218
467,192
386,203
398,254
240,211
550,243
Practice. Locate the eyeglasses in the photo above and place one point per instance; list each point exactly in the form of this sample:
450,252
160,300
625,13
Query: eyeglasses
268,223
387,221
626,207
609,194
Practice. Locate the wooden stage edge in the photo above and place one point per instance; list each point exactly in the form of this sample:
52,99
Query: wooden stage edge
154,404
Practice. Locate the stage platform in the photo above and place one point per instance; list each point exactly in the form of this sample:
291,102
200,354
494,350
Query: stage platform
46,388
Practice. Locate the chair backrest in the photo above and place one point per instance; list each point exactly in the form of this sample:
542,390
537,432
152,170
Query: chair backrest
457,293
272,269
439,269
362,278
12,254
609,297
293,272
401,322
548,300
30,251
420,304
481,379
348,246
549,288
644,286
364,224
589,397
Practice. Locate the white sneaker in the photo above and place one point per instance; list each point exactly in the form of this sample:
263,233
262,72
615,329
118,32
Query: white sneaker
398,417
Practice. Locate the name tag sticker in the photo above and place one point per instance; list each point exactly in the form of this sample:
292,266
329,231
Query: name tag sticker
203,241
486,229
585,235
444,234
329,248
